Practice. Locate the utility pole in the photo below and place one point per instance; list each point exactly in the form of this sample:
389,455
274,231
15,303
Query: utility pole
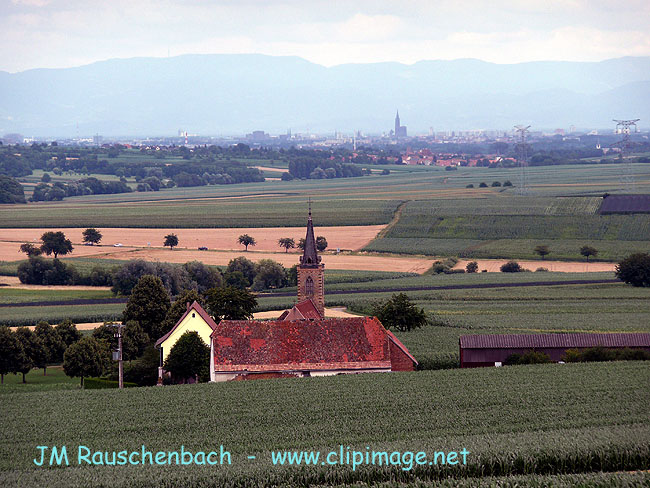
117,355
522,157
623,128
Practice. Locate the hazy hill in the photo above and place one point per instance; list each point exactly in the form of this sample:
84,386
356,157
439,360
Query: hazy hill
226,94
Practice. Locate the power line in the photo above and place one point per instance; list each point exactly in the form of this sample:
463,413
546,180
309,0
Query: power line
627,175
522,158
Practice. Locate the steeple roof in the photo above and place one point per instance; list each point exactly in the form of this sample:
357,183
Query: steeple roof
310,257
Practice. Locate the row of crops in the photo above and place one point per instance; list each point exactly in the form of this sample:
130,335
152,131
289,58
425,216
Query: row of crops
487,227
521,420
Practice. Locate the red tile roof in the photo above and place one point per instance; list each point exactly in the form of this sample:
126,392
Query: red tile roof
399,344
323,344
194,307
517,341
301,310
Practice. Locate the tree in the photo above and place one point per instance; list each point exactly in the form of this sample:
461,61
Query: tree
245,266
36,355
229,303
511,267
55,243
68,332
11,352
587,251
178,308
246,240
542,251
635,270
398,312
287,243
30,249
52,343
92,236
189,358
472,267
301,244
205,277
46,178
171,240
134,340
321,243
269,274
87,357
148,305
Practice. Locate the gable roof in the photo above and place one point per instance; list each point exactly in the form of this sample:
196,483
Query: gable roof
337,343
518,341
194,307
399,344
301,311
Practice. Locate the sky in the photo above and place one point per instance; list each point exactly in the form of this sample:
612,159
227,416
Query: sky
65,33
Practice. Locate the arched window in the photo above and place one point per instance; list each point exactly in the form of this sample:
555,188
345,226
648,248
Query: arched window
309,286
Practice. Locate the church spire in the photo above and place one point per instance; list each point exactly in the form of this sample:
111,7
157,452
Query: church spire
310,255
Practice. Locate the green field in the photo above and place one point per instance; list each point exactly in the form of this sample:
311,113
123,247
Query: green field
543,420
342,201
29,315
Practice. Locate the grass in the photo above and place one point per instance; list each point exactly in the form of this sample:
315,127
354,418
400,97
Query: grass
543,420
37,381
18,296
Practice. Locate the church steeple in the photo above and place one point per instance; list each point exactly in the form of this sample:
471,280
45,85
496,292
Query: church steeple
311,279
310,255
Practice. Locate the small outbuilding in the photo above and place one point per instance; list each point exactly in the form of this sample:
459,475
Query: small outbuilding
493,349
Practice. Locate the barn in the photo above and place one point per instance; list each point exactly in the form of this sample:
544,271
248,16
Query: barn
250,349
625,204
493,349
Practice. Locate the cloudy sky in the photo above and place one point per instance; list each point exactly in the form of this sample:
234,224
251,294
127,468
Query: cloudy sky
63,33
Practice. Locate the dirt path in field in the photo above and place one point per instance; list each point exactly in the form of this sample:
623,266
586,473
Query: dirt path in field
494,265
269,168
344,237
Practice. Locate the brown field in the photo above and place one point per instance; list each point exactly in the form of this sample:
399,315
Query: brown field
346,237
331,261
494,265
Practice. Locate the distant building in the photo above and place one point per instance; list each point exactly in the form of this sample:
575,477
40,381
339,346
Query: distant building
400,130
493,349
257,136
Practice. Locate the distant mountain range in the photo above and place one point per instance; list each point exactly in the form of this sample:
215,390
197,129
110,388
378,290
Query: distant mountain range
233,94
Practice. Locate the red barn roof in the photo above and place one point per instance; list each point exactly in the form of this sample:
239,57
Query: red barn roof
519,341
323,344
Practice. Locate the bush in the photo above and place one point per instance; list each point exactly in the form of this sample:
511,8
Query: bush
511,267
472,267
470,186
400,313
482,185
530,357
635,270
40,271
496,184
507,183
541,270
596,354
